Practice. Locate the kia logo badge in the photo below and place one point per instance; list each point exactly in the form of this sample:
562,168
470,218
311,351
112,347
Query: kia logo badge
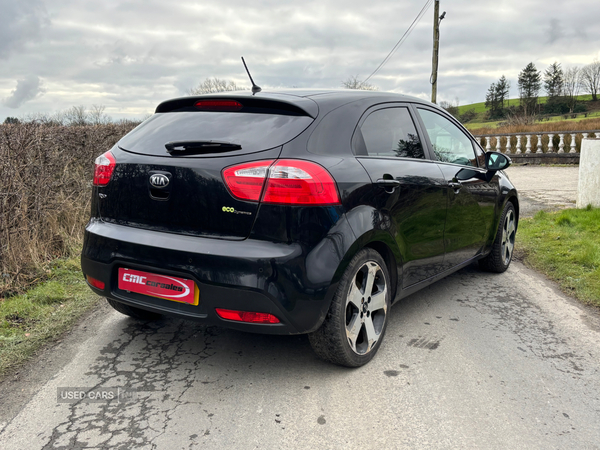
159,180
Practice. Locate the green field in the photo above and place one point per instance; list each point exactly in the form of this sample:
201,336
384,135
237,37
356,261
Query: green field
480,107
480,122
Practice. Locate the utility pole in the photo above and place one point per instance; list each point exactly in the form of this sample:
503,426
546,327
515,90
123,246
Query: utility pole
436,48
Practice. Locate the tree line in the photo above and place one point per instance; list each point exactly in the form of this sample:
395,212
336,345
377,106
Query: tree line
79,115
562,88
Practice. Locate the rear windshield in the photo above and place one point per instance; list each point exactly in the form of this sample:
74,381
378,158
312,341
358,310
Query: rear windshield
254,132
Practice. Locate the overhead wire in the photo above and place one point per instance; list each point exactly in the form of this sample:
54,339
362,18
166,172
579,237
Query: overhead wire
402,39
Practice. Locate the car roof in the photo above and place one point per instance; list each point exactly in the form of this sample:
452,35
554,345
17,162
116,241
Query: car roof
314,101
329,95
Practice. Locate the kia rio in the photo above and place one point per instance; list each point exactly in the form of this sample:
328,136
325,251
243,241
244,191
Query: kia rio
297,212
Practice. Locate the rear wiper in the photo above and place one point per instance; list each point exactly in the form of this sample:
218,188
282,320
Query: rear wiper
200,147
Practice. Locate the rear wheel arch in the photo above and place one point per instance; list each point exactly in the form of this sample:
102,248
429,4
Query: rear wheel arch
383,243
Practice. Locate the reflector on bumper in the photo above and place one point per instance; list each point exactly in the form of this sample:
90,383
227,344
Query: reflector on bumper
246,316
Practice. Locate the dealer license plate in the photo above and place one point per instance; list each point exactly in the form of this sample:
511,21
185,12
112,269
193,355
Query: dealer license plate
160,286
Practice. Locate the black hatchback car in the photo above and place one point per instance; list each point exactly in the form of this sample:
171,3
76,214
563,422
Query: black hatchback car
294,212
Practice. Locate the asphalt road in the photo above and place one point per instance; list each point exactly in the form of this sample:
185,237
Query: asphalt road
474,361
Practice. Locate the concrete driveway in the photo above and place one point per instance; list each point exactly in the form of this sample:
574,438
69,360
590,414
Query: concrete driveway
544,187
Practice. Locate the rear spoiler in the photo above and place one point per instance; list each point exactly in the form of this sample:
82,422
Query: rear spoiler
249,105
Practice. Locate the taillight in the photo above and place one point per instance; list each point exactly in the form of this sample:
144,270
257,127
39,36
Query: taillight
246,316
289,182
104,167
294,182
247,180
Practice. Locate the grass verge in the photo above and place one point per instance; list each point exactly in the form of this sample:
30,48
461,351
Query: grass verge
31,320
566,247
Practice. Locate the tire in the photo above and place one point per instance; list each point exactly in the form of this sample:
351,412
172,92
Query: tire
500,257
356,321
136,313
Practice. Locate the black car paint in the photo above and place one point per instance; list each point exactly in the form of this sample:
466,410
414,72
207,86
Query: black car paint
197,196
288,260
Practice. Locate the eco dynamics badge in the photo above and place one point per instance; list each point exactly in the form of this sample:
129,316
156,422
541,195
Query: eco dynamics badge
160,286
230,209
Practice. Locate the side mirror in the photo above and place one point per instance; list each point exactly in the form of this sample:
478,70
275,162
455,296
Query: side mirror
496,161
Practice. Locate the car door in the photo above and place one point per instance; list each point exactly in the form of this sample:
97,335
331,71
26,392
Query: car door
408,188
471,194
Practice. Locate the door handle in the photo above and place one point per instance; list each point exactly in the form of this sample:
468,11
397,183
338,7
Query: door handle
455,185
389,185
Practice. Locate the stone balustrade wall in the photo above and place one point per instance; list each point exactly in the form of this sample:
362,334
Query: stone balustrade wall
546,142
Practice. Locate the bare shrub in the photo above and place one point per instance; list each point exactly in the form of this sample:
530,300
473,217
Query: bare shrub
517,120
352,82
452,108
46,172
212,85
468,115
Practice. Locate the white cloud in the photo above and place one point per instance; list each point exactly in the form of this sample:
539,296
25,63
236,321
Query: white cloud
27,89
129,55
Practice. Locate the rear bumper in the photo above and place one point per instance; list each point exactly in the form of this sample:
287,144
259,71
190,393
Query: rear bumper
290,281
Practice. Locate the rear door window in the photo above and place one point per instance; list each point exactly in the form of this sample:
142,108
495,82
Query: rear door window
388,132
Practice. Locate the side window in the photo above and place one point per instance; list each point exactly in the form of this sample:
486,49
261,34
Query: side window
389,132
449,143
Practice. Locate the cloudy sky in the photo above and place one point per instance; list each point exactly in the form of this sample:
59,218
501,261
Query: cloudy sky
129,55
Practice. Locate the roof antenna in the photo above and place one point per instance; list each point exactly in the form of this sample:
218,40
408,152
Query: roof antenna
255,88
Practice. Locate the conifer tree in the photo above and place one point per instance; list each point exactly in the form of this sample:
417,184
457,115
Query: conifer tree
554,81
530,82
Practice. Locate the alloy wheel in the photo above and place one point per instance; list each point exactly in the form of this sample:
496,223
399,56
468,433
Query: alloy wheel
508,236
366,308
